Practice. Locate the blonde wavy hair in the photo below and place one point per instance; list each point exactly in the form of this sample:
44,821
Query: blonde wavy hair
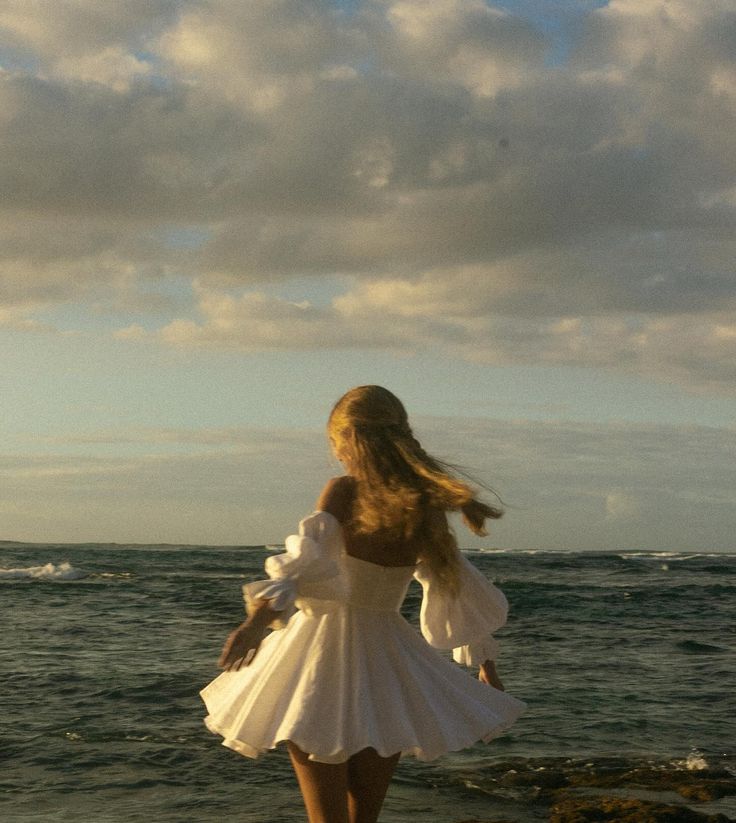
399,486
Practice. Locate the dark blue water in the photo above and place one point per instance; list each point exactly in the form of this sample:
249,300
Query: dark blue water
622,657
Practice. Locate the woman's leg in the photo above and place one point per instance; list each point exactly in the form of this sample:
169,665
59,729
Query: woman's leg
368,777
324,787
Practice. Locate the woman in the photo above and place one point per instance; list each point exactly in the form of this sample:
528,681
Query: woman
347,683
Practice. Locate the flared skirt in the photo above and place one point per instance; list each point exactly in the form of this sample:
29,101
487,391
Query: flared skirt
346,679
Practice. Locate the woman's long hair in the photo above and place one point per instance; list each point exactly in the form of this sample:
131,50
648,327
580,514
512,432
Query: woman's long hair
401,488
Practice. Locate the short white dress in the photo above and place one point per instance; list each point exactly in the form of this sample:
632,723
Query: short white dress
344,670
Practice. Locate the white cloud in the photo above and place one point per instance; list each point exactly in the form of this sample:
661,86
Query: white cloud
53,30
592,486
112,67
471,196
230,487
133,332
241,439
260,55
697,350
17,318
463,42
622,506
255,321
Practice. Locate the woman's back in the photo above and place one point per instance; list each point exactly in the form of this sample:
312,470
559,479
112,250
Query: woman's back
381,547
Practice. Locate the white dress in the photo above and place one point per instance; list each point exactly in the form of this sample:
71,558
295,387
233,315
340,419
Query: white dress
345,671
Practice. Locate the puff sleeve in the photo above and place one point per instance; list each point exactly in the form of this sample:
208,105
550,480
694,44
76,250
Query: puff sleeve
308,567
464,623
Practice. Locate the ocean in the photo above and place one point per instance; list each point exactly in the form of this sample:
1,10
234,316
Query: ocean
626,660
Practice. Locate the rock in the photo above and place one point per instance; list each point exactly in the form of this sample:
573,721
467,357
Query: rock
699,785
607,789
625,810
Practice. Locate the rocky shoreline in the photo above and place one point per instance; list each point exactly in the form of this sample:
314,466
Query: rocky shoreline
611,790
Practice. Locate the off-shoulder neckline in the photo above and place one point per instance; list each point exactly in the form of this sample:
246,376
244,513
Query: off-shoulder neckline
360,559
380,565
328,515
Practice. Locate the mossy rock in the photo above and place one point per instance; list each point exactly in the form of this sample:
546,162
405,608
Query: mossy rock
701,785
626,810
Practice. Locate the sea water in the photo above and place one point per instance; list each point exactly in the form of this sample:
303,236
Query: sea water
624,658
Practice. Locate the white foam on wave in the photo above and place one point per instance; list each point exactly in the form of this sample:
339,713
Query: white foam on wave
648,555
567,552
643,555
693,762
64,571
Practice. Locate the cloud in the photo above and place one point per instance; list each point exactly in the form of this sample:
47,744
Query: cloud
16,318
240,439
463,43
211,486
255,321
565,485
430,155
622,506
68,39
696,350
592,486
259,55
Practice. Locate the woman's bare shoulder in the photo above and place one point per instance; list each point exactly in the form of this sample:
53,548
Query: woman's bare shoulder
337,497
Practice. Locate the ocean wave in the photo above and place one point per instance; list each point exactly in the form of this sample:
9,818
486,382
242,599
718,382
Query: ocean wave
51,571
492,550
655,555
695,647
644,555
605,555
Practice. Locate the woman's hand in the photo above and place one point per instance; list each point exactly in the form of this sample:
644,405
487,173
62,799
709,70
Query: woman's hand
242,644
487,674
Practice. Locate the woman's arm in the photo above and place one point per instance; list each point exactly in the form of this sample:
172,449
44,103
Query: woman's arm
242,643
271,603
464,623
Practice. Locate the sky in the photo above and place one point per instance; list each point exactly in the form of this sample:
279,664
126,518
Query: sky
216,217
